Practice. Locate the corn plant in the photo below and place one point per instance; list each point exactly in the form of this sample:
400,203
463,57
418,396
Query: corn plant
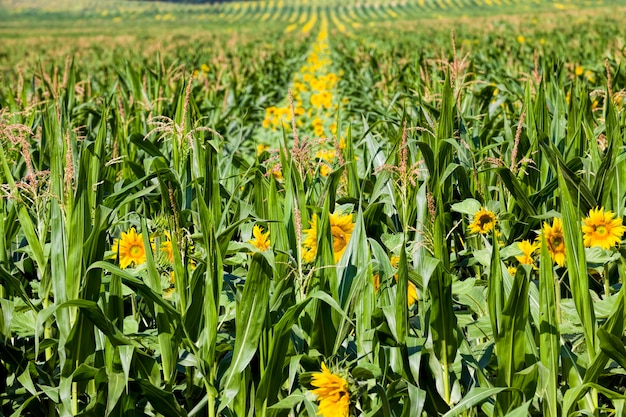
301,221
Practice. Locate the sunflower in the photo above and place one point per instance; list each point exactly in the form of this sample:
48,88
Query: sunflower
261,240
527,249
555,241
484,221
130,248
411,294
341,227
332,393
166,247
602,229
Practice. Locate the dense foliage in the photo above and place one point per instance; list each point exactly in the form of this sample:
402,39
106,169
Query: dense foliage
316,218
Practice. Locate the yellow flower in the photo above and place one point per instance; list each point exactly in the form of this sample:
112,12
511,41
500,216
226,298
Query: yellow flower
594,104
261,240
325,170
512,270
277,173
528,249
521,39
602,229
261,147
484,221
579,71
205,68
555,240
166,247
316,100
341,227
130,248
332,394
327,155
411,294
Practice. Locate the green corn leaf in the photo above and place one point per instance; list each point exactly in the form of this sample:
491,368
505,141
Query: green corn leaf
402,315
138,286
116,384
510,340
613,347
443,325
94,314
549,333
569,183
473,398
573,395
495,290
250,322
577,267
613,326
520,411
516,190
271,380
163,401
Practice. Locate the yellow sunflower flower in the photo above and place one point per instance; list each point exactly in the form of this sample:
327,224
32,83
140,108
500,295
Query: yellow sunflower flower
166,247
261,240
579,71
261,147
411,294
130,248
332,393
328,155
527,249
341,227
555,240
602,229
325,170
484,221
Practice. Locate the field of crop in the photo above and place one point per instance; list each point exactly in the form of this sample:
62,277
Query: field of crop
275,208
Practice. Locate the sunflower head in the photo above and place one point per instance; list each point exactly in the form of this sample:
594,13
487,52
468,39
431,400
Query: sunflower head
600,228
332,393
261,240
484,221
130,248
341,228
528,248
555,240
166,247
411,295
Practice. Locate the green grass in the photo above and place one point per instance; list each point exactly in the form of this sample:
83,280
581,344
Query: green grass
190,140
